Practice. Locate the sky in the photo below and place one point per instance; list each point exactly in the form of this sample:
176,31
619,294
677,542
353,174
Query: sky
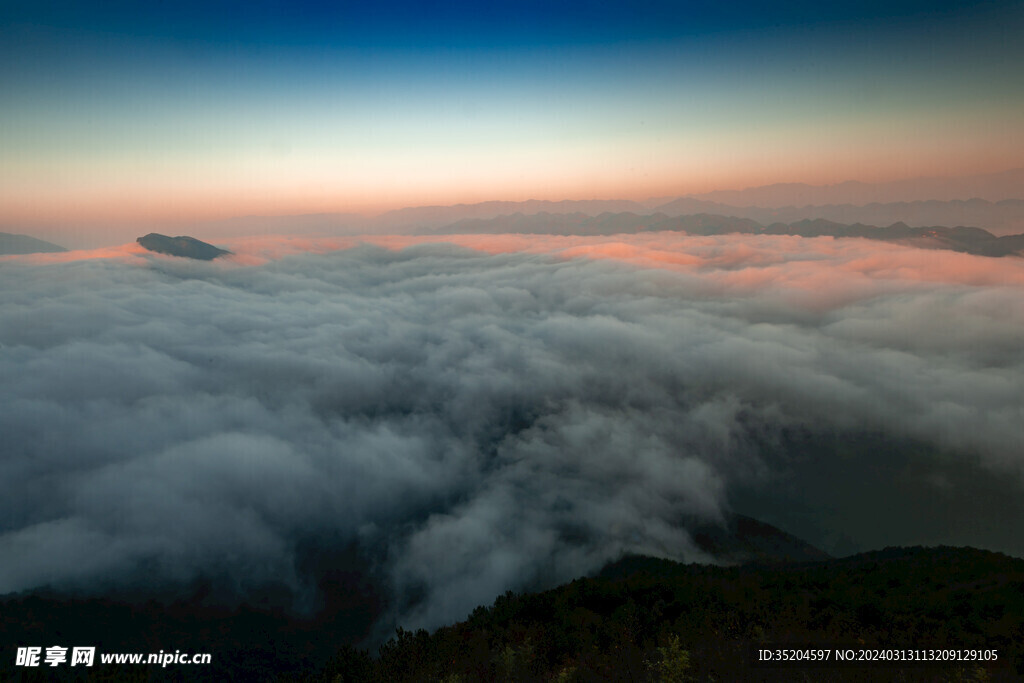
144,112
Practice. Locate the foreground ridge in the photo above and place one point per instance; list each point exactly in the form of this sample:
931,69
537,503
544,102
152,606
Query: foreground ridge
640,618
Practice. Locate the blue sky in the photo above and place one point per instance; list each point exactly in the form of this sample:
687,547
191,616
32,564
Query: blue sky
186,110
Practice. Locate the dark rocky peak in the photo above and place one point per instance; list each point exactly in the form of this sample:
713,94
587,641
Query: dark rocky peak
184,246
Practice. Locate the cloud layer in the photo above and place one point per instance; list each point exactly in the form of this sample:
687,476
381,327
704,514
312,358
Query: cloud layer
478,415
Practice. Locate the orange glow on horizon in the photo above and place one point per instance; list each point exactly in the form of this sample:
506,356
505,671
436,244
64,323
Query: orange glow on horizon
146,202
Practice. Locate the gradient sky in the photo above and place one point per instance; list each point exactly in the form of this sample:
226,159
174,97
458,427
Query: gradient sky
188,110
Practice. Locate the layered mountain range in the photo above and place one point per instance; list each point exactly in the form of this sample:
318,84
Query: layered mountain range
971,213
963,239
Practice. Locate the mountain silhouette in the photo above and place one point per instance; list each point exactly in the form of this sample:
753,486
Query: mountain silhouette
960,238
11,244
183,246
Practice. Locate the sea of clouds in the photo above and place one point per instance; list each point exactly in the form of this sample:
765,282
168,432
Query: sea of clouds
483,413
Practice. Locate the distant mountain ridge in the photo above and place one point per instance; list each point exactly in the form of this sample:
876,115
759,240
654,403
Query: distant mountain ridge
11,244
993,187
952,195
964,239
1000,218
994,202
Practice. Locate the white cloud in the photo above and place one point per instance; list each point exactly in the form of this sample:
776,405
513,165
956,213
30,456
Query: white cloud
476,422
